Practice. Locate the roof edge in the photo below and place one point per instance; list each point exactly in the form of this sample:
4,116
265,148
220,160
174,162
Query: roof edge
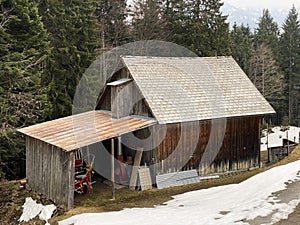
215,118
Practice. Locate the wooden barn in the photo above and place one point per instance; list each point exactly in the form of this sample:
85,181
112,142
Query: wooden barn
181,113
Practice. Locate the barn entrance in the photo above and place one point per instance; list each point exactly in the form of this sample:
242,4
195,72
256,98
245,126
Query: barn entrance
107,157
112,161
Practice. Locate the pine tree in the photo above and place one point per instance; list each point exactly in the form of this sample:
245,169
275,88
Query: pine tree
290,64
215,36
148,22
242,46
24,49
111,15
267,33
201,26
266,43
73,29
174,13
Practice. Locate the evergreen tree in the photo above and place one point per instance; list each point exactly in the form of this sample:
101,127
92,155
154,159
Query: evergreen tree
242,46
174,13
73,29
290,64
200,26
148,22
266,43
111,15
267,33
24,49
209,30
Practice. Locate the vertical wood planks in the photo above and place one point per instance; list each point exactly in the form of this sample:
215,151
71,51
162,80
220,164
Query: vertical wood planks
136,165
50,171
71,171
239,148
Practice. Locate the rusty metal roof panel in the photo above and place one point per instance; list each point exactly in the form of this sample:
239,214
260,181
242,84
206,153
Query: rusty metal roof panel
72,132
195,88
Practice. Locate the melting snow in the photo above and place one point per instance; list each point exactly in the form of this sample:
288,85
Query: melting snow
275,139
31,209
230,204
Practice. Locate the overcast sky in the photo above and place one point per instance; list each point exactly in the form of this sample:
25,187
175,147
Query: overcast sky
270,4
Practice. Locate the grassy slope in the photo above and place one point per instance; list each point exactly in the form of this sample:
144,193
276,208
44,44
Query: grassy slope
100,201
12,197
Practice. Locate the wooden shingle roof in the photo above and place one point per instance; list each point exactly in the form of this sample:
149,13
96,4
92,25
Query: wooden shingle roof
195,88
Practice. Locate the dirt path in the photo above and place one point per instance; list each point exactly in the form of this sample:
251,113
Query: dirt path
291,197
293,192
293,219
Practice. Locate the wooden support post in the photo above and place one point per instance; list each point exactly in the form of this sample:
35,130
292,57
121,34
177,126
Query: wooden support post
71,171
136,164
91,166
113,169
288,142
88,155
269,157
119,156
258,140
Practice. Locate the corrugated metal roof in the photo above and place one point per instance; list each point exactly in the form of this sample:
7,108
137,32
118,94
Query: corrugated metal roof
195,88
72,132
177,179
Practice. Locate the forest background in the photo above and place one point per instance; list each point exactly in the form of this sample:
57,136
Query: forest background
46,46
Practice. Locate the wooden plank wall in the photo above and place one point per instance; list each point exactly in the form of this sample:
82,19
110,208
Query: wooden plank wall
105,102
50,171
129,98
120,100
139,106
240,148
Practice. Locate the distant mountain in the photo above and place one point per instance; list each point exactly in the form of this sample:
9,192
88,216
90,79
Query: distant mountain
251,16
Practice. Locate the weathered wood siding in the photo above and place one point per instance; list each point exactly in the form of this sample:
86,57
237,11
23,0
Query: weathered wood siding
50,171
139,104
104,100
195,145
124,100
105,103
120,100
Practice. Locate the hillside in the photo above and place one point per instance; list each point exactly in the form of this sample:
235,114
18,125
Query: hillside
12,197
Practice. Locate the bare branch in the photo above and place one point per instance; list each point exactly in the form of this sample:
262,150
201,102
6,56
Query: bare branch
4,17
265,73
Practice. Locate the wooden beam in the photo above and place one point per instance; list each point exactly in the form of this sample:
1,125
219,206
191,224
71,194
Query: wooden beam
136,164
71,174
113,169
120,147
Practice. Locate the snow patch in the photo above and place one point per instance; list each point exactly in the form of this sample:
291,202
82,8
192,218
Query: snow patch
275,139
31,209
47,212
230,204
284,210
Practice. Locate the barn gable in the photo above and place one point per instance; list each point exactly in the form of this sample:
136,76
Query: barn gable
123,98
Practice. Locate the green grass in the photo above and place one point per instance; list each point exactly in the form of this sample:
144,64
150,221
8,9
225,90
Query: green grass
99,200
264,156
